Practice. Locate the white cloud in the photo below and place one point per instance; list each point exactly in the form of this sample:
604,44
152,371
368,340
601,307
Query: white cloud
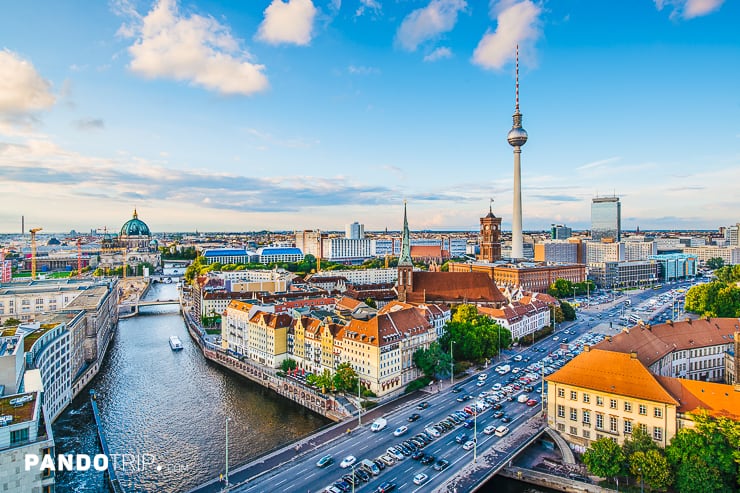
688,9
517,22
191,48
601,162
22,89
361,70
368,5
438,54
427,23
290,22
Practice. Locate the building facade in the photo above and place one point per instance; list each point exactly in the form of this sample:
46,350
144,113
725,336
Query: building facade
606,218
674,266
490,238
556,251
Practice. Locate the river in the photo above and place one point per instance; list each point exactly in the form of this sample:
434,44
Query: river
165,412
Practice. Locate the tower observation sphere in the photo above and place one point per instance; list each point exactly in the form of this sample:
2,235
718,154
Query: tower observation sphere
517,137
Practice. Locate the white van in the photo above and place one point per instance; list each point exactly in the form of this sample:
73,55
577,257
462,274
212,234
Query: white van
522,398
501,431
378,424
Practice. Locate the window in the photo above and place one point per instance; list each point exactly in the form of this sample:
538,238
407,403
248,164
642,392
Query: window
627,426
658,434
19,436
586,398
586,417
613,424
627,406
573,430
586,434
561,392
599,400
600,421
561,427
643,409
573,414
612,403
573,395
658,412
561,411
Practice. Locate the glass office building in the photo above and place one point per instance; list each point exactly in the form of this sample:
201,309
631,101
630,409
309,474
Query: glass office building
606,218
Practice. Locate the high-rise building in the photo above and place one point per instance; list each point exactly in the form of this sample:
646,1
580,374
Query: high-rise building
517,137
732,236
606,218
355,231
560,232
490,237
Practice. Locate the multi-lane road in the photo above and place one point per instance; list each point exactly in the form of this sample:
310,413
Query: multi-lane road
302,473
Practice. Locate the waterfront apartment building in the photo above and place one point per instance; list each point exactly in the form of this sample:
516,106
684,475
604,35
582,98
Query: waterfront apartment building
583,406
267,341
606,219
556,251
692,349
730,255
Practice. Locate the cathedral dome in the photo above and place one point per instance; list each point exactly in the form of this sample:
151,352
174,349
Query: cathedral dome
135,227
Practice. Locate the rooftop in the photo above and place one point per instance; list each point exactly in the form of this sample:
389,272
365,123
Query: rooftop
20,413
716,398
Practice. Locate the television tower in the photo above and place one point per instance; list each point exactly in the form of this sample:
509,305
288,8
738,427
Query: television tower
517,137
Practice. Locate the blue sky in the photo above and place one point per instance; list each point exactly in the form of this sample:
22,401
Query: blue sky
236,116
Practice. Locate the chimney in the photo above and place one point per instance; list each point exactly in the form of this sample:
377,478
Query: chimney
586,348
633,354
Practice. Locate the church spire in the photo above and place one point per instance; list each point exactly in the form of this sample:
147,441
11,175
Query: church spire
405,259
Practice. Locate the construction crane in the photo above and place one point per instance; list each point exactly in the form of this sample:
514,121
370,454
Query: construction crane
33,232
79,257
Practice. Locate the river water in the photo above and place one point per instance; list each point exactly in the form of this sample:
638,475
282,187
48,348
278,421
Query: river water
165,412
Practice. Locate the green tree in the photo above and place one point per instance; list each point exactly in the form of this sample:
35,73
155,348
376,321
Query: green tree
11,322
345,378
558,314
709,449
371,303
561,288
476,337
604,458
433,362
652,468
715,263
569,313
288,364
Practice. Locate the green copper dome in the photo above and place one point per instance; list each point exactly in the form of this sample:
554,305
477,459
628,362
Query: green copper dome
135,227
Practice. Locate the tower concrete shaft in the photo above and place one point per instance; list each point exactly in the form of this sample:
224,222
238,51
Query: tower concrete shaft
517,137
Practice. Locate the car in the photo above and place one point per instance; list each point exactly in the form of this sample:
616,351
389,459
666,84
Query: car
506,419
325,461
457,390
488,430
556,338
468,445
342,485
379,463
418,455
348,461
400,431
532,402
441,465
414,417
481,383
428,459
388,459
482,376
464,397
461,437
497,406
386,487
395,453
498,414
411,445
501,431
518,357
496,386
468,424
422,405
363,474
348,478
420,478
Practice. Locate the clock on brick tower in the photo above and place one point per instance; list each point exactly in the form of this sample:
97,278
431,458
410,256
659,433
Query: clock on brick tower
490,237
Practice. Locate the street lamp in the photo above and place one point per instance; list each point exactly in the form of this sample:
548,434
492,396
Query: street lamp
475,434
226,476
359,404
354,478
452,365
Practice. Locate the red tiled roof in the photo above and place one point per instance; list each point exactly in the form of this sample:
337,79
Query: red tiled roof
716,398
651,344
387,328
461,287
614,373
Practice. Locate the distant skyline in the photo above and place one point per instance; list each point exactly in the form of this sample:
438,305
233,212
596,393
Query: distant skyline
301,114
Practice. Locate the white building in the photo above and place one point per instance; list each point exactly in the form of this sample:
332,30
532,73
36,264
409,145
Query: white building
362,276
522,318
346,250
639,250
596,252
380,247
355,231
730,255
268,255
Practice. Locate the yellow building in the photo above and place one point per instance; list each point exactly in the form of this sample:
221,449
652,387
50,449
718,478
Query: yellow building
609,394
267,342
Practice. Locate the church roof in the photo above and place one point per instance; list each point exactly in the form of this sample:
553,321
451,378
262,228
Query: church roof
135,227
462,287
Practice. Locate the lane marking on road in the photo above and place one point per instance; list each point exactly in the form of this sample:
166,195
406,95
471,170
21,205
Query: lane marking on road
281,482
409,469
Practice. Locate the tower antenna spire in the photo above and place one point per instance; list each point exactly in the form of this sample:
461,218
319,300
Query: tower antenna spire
517,77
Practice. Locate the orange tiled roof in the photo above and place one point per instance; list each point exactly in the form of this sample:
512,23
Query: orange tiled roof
348,303
426,251
471,287
387,328
651,344
716,398
613,373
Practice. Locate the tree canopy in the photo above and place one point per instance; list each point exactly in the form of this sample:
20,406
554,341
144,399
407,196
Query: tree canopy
604,458
563,288
475,337
718,298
